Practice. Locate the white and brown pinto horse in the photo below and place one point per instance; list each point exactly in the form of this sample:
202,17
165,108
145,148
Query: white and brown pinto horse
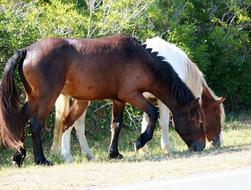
187,71
193,77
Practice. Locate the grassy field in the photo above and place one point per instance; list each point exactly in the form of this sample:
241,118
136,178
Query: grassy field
154,164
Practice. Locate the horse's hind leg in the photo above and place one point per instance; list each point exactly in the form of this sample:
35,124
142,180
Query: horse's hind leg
20,155
139,101
61,110
44,106
116,125
80,128
66,145
36,127
75,112
78,107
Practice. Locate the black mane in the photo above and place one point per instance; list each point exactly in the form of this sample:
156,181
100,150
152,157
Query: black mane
165,72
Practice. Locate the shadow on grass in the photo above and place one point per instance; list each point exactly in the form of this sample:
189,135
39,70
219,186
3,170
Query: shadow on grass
188,154
5,158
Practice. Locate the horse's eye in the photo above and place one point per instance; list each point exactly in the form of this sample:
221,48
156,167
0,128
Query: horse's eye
217,119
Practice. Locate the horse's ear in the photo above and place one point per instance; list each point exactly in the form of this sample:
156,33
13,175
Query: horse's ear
195,103
219,101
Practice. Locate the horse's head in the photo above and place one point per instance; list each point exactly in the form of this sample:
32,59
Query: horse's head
214,117
190,125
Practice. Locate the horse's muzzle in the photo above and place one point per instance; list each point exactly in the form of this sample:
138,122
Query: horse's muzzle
197,146
216,141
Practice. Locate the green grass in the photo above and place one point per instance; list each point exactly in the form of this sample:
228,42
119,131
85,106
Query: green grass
236,136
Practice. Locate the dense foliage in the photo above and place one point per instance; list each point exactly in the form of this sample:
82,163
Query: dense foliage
215,33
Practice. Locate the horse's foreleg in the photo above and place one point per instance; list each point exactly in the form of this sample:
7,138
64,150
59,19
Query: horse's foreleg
164,125
80,128
139,101
116,124
144,124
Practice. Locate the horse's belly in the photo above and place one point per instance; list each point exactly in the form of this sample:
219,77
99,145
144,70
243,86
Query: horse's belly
88,90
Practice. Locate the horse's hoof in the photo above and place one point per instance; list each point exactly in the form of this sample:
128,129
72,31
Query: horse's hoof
18,157
44,162
90,157
16,163
116,156
55,150
69,159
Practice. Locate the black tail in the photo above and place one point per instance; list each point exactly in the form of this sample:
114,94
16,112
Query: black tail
11,122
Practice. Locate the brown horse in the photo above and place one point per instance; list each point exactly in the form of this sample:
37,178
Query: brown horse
187,71
117,68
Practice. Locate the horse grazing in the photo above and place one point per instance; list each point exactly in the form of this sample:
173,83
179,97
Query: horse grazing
194,79
116,67
187,71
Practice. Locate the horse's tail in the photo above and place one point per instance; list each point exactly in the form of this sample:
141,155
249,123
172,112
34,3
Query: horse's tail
11,122
62,107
